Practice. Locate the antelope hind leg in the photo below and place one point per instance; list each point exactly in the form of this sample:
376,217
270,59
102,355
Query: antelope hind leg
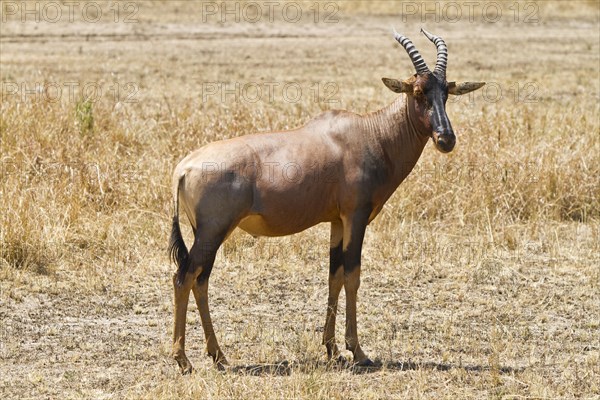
181,297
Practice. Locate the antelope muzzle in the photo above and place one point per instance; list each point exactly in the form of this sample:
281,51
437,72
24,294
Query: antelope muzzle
444,142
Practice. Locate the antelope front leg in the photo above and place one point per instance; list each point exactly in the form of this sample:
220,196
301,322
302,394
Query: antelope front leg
181,297
354,232
336,281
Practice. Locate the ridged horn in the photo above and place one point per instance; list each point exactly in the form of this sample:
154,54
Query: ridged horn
442,54
413,53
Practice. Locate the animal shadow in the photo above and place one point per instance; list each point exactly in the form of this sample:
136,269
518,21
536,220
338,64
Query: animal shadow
286,368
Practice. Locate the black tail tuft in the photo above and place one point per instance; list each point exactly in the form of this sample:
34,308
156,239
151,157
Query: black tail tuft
177,250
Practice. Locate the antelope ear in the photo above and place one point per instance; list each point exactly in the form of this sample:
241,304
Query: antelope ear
458,88
397,86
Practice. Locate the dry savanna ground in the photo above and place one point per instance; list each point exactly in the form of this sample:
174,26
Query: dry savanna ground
480,276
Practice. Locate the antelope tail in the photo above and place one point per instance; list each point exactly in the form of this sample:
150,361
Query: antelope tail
178,252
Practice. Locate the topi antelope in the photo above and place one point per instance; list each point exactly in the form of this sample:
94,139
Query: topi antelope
344,168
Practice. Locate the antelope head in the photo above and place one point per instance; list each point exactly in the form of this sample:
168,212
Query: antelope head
430,90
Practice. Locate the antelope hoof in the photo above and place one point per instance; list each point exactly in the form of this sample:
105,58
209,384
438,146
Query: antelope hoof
221,365
220,362
342,362
365,363
338,362
185,367
333,354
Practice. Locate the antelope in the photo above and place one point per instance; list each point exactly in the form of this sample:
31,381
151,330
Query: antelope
345,167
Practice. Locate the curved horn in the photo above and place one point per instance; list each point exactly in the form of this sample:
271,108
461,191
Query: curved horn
413,53
442,54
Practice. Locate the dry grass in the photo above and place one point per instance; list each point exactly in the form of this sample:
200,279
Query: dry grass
481,275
